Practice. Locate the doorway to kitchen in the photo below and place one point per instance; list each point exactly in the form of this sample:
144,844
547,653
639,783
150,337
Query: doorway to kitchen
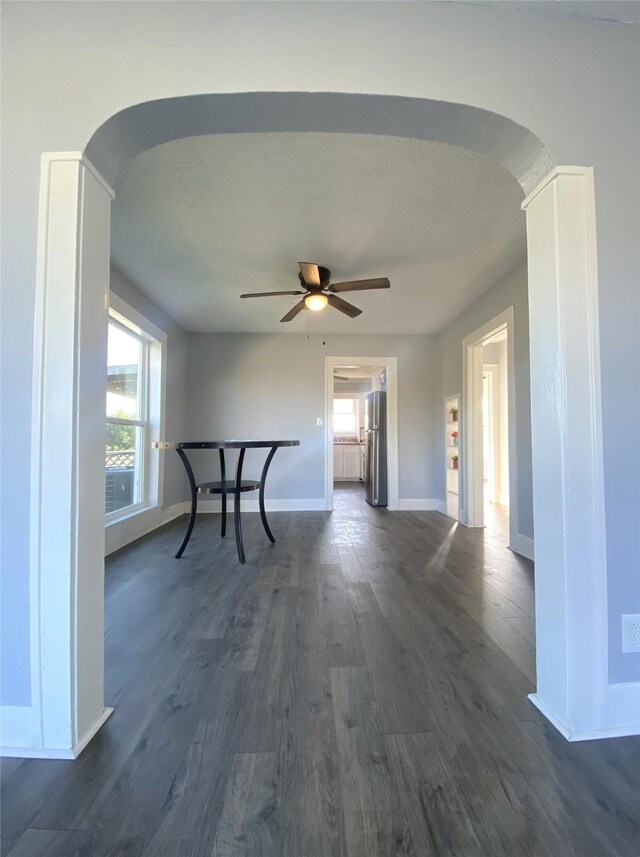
361,428
359,455
488,439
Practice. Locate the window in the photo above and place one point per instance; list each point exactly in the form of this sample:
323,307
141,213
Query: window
345,417
134,472
127,418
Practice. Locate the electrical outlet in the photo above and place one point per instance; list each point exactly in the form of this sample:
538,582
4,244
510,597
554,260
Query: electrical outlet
631,632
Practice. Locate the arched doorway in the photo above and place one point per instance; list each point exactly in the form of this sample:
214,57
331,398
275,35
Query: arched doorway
67,557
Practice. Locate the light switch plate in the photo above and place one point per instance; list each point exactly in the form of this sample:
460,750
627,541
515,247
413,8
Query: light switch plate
319,421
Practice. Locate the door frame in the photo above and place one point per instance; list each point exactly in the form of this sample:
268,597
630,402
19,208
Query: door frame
391,365
493,386
471,448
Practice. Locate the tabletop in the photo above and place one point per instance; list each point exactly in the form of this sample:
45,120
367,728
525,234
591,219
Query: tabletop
222,444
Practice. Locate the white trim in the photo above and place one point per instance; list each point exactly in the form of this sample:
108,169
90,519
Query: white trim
553,174
471,478
121,421
632,728
67,452
130,527
409,504
142,325
568,482
391,365
77,157
35,753
522,545
250,504
17,752
126,512
493,383
79,746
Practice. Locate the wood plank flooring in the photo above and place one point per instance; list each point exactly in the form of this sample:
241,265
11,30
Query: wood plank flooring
357,689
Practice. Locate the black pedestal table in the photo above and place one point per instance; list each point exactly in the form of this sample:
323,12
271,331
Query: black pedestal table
224,486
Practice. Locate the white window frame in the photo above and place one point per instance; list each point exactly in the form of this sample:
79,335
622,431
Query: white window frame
152,392
356,415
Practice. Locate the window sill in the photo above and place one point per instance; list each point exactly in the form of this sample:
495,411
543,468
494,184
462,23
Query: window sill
127,514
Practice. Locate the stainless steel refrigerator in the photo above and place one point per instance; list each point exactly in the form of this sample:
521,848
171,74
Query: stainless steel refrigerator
375,424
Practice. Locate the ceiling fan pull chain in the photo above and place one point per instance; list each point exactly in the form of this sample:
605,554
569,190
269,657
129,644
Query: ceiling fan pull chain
308,317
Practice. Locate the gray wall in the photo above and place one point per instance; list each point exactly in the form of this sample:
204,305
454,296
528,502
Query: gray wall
510,291
247,385
571,80
175,487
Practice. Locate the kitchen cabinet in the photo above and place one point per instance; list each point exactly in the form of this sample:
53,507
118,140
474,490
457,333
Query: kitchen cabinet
347,462
352,462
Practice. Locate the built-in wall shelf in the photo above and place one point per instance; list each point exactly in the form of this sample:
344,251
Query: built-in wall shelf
451,453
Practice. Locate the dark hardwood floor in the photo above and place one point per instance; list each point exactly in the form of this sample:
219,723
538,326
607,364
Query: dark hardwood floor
496,522
357,689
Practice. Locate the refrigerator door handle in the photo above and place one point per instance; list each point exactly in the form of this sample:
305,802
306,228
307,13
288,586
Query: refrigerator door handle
376,468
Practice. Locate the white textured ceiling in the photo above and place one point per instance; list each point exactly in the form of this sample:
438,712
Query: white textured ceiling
198,221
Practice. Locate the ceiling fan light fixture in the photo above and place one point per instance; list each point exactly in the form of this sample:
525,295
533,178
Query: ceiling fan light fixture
316,302
318,291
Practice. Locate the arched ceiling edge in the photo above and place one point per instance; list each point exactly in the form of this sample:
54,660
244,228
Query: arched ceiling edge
144,126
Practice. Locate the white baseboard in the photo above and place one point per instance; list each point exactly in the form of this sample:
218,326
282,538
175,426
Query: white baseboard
620,716
119,533
522,545
88,735
250,504
28,746
410,504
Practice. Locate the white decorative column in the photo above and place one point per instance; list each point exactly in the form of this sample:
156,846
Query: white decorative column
67,478
568,490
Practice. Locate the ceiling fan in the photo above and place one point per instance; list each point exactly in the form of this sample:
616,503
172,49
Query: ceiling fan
318,291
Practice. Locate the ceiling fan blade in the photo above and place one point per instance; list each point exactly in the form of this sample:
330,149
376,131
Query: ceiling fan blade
347,308
341,378
360,285
310,273
269,294
293,312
